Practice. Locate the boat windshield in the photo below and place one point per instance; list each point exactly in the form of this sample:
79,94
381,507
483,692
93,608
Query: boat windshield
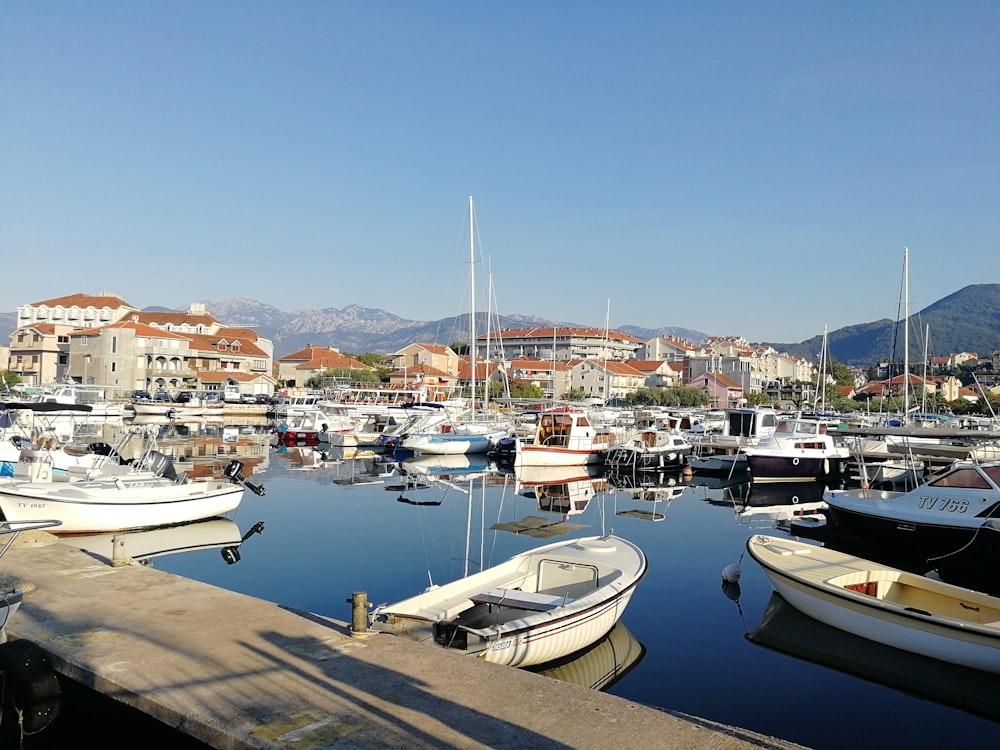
969,478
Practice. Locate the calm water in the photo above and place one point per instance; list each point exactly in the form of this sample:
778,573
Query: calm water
338,527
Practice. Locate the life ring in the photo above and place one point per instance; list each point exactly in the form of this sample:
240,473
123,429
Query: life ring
33,686
795,461
795,499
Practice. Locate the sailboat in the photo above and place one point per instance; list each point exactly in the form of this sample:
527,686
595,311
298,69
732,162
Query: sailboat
469,433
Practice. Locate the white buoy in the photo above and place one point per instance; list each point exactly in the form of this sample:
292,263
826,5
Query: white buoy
731,573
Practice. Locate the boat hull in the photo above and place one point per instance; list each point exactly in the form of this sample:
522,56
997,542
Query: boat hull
768,467
535,607
856,609
86,507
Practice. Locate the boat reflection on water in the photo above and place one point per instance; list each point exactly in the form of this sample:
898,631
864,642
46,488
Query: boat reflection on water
651,492
143,545
600,665
786,630
777,504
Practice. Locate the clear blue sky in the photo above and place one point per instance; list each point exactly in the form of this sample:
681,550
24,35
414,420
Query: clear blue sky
730,167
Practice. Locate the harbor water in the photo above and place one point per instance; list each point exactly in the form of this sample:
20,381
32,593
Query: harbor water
330,526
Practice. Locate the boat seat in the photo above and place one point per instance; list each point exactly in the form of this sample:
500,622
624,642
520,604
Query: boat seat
520,599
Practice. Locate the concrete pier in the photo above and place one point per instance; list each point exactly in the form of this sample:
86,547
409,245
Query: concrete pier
236,672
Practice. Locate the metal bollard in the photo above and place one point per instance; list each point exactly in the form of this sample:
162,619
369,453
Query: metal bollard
118,554
359,612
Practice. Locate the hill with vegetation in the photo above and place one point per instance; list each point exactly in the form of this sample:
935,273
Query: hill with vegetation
966,321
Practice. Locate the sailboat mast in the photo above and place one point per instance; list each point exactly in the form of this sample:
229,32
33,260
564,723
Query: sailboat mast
472,300
906,334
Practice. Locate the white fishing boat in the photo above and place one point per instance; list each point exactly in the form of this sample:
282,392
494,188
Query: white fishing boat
658,442
312,426
564,436
540,605
115,496
883,604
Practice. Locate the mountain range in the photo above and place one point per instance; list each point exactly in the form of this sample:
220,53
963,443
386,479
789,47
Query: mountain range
966,321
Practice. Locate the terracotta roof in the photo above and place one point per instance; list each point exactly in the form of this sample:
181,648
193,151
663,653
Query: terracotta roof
425,370
204,342
85,300
173,317
548,333
139,328
308,353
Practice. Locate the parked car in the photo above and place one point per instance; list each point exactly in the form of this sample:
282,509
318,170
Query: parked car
263,398
162,396
141,396
248,398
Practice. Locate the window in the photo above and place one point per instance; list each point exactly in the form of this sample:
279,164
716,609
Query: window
84,340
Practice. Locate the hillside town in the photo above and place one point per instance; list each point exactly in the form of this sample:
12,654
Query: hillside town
101,339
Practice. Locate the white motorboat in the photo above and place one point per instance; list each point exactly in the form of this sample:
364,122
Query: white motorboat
537,606
564,436
799,450
115,496
940,517
884,604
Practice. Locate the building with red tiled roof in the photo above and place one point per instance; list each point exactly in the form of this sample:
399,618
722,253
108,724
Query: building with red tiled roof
566,343
553,378
606,380
298,367
102,339
438,356
669,348
723,391
39,346
659,374
423,375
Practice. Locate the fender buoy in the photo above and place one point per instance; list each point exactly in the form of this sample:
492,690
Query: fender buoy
826,465
32,684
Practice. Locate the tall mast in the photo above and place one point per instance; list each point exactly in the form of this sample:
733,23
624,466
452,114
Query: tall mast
906,334
472,301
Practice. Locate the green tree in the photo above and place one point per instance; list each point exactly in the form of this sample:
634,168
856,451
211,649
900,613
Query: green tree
756,399
11,378
576,394
682,395
524,389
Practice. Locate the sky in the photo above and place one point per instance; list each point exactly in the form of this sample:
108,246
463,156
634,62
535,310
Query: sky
734,168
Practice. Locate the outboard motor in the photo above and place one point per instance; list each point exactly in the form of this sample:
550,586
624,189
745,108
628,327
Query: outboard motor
232,554
161,465
234,473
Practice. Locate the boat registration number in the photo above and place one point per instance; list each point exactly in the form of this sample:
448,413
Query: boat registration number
944,504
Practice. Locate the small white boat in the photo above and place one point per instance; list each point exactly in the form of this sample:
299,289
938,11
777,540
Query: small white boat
114,496
657,444
884,604
458,438
537,606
